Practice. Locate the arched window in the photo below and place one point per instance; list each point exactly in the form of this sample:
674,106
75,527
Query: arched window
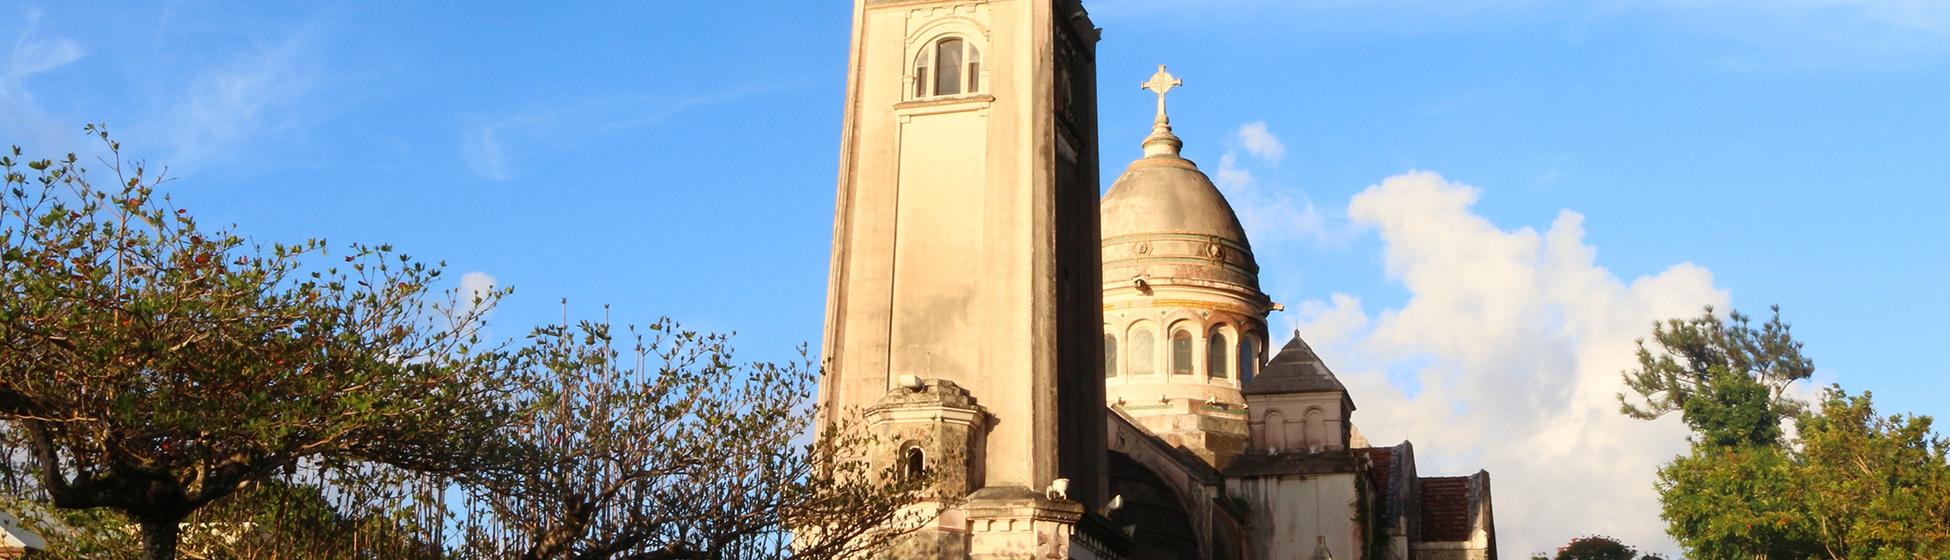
1110,356
950,66
914,464
1215,355
1248,359
1144,357
1181,352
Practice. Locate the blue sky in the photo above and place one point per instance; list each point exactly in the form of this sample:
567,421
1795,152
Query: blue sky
678,158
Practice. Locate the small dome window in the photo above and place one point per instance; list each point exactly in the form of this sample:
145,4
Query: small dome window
949,66
1181,352
1143,357
1110,356
1248,359
1215,355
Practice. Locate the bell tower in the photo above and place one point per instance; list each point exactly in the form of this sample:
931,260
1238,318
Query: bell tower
965,244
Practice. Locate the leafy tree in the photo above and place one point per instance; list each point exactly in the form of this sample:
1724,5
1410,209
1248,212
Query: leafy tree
154,368
672,450
1726,378
1875,486
1853,485
1597,547
1737,502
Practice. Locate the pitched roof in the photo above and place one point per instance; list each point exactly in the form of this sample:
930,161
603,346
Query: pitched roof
1296,369
1445,508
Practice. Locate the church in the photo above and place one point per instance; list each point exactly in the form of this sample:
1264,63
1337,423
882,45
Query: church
1085,374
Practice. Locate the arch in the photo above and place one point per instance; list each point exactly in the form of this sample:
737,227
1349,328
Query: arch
1181,351
1110,355
946,64
1144,352
1216,349
1163,527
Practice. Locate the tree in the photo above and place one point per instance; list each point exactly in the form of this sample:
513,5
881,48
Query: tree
1851,485
153,368
1875,486
1726,378
1597,547
672,450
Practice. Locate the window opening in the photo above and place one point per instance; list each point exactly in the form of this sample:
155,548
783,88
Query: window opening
948,58
1181,353
915,464
1248,359
921,74
1215,355
1110,356
974,69
1143,356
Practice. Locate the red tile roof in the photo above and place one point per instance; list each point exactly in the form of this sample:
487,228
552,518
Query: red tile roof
1445,508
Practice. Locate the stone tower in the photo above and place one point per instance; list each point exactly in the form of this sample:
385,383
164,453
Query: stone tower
1184,320
963,308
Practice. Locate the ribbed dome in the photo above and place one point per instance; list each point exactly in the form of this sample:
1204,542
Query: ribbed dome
1168,194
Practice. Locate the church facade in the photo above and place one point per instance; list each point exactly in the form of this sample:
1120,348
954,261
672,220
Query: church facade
1084,376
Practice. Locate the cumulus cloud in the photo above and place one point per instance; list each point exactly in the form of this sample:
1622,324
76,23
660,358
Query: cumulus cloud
33,52
1506,357
1261,143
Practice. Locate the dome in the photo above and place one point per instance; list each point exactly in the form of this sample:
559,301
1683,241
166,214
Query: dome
1163,220
1168,194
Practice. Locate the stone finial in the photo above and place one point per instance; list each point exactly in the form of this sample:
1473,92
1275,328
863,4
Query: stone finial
1162,141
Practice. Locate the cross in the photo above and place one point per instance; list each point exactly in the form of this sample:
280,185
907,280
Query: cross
1161,83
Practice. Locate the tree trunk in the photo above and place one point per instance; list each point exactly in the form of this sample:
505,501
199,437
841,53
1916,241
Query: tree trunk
159,537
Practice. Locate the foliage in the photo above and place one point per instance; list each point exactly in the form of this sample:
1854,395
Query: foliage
1735,502
1597,547
1876,486
154,368
673,450
274,520
1726,378
1852,484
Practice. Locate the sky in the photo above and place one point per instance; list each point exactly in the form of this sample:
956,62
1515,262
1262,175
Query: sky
1470,207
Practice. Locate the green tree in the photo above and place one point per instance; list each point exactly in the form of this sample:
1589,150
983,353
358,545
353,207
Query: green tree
154,368
1874,486
1851,485
1727,379
1597,547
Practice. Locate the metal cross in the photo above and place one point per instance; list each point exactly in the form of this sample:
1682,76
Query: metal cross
1161,83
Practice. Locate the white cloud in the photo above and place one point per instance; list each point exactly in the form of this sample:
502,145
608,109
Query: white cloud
473,285
228,106
1261,143
483,154
32,52
1507,357
1270,216
485,150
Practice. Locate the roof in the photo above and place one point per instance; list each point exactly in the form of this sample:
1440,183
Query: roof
1445,508
14,535
1296,369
